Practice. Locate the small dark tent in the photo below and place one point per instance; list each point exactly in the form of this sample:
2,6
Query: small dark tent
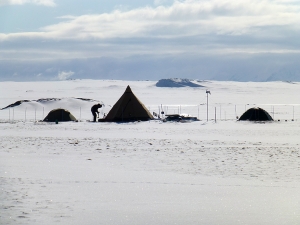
256,114
128,108
59,115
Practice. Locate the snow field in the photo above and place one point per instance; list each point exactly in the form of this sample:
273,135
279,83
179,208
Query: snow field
227,173
150,173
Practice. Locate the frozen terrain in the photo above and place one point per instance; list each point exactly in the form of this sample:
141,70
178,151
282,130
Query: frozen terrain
206,172
177,82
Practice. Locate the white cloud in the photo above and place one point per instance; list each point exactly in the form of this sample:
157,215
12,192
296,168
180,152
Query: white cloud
190,26
63,75
22,2
187,18
160,2
182,19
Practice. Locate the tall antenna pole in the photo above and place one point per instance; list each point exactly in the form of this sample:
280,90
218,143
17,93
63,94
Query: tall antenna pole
207,106
207,92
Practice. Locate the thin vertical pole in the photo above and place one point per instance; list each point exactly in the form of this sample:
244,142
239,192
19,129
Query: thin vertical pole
207,107
293,113
235,110
215,114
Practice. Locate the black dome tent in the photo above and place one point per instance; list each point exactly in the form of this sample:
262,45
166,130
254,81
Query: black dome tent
256,114
59,115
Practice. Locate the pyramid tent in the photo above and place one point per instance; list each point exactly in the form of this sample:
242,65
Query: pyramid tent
256,114
59,115
128,108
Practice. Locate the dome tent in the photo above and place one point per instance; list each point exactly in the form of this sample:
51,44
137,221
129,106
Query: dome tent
256,114
59,115
128,108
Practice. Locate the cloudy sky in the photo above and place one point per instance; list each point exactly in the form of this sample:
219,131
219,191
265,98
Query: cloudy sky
240,40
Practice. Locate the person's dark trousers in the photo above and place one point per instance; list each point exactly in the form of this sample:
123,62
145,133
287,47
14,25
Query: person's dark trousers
95,116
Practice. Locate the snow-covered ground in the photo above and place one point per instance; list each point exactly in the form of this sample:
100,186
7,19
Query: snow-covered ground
223,172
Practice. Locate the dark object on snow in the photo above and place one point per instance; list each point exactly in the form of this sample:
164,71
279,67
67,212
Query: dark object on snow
94,110
15,104
44,100
176,82
256,114
180,118
128,108
59,115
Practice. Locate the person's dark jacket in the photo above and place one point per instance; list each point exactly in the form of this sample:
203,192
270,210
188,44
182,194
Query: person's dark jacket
95,108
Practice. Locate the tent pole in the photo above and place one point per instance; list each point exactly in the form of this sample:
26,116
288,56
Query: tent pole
235,110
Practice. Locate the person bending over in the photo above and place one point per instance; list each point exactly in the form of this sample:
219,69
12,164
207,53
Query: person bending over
94,110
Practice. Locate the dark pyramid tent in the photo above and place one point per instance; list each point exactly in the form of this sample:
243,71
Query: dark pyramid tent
128,108
59,115
256,114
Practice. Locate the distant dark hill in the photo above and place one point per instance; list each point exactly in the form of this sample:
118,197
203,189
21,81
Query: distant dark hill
44,100
177,82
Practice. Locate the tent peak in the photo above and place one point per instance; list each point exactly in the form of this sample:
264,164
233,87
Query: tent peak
128,89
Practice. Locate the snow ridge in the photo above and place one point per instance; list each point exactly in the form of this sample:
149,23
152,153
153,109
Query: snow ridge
177,82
